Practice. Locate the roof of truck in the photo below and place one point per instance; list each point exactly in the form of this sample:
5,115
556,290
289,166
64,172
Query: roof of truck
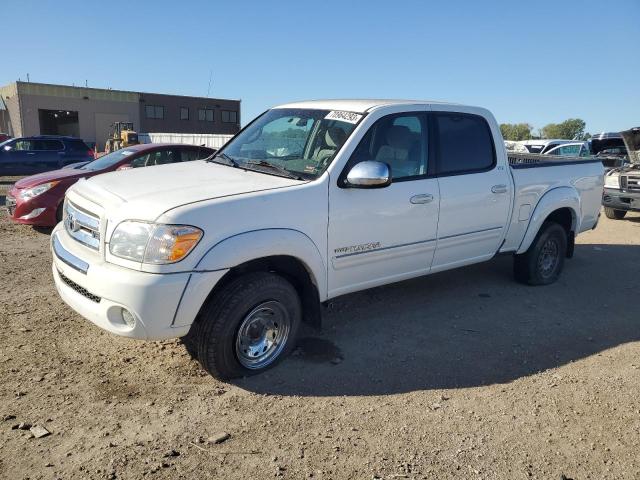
356,105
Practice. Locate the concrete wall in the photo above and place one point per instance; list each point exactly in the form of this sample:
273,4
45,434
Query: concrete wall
11,121
97,109
173,123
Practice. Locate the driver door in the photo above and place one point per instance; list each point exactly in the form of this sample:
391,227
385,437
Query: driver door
382,235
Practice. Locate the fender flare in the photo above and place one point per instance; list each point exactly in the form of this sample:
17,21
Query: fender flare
552,200
253,245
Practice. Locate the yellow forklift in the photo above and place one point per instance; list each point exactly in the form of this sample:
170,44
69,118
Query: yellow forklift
122,135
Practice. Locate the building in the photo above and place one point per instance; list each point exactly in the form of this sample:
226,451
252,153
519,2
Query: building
28,108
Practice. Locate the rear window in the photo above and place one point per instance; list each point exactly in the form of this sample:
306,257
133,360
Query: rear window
465,144
77,146
49,145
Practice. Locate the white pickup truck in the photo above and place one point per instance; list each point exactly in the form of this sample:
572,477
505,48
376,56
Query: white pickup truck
310,201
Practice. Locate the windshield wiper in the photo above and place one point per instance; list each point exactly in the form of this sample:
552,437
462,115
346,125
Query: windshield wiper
229,161
278,168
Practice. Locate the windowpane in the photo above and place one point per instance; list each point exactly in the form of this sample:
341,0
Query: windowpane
201,115
159,112
465,143
149,111
23,145
229,116
184,113
209,115
398,141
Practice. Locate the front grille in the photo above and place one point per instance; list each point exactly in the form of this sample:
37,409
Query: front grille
82,291
82,226
630,183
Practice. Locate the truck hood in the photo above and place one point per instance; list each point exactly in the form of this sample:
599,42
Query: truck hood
148,192
631,139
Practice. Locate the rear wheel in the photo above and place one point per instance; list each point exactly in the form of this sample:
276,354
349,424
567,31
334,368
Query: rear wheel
614,214
543,262
248,326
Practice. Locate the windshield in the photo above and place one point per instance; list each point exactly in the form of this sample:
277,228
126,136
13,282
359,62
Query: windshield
107,161
300,142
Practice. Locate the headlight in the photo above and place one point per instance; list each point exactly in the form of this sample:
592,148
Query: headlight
37,190
612,181
153,243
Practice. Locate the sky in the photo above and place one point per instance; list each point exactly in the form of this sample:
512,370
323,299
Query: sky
536,62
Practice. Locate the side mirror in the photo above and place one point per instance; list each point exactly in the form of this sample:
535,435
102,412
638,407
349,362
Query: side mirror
125,166
369,174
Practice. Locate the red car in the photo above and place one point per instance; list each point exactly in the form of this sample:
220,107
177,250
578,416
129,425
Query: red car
37,200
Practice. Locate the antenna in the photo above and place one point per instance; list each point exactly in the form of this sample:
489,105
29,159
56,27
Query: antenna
210,77
28,78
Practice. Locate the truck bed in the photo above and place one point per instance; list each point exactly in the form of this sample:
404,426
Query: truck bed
534,175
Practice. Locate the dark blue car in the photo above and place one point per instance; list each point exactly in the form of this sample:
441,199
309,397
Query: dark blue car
29,155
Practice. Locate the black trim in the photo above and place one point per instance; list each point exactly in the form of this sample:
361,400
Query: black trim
551,164
438,174
470,233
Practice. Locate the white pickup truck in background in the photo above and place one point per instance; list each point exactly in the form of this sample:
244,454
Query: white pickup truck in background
310,201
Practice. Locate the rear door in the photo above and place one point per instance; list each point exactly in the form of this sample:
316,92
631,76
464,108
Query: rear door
475,190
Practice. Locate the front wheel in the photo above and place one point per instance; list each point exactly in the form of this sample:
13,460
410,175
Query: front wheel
543,262
248,326
614,214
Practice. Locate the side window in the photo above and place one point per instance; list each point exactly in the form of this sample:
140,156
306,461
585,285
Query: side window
161,157
51,145
465,143
187,155
23,145
140,161
399,141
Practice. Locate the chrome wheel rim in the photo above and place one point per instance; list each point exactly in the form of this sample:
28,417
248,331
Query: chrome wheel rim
548,258
262,335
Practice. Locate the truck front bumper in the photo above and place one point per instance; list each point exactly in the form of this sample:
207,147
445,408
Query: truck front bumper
101,292
619,200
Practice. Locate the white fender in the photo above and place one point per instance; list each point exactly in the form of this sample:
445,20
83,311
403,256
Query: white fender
256,244
554,199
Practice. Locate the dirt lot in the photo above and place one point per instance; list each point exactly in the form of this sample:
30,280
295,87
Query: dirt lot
463,374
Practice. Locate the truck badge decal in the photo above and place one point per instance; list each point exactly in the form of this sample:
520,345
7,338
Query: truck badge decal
363,247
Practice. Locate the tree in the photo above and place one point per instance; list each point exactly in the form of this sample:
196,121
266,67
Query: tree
570,129
516,131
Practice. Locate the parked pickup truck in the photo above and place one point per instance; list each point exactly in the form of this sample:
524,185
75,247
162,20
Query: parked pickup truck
310,201
622,184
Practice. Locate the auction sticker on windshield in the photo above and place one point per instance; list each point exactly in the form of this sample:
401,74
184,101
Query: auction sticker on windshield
343,116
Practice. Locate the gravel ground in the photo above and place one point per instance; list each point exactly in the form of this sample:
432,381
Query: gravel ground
464,374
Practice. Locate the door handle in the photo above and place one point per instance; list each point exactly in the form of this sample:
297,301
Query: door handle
499,189
422,198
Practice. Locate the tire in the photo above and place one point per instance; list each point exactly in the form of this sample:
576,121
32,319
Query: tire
232,335
614,214
543,262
